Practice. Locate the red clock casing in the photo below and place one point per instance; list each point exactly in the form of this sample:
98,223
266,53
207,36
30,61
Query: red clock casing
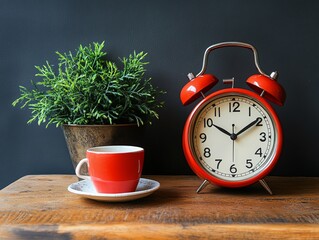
191,156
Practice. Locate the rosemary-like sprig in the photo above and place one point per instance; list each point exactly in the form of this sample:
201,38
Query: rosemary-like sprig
86,88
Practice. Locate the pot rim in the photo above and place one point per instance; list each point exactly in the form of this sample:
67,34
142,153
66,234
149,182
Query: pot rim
100,125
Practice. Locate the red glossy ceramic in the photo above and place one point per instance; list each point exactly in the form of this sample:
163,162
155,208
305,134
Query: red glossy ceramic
273,91
113,169
192,90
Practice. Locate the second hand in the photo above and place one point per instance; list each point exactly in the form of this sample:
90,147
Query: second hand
233,127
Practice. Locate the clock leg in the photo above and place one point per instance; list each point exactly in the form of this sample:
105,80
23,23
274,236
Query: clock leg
265,185
202,186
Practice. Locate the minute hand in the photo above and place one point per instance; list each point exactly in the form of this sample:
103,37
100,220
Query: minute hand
248,126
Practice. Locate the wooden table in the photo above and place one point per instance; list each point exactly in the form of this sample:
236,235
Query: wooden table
40,207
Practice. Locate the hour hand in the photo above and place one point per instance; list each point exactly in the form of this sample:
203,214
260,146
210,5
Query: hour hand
222,130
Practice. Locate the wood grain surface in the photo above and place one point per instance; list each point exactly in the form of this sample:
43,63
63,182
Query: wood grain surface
40,207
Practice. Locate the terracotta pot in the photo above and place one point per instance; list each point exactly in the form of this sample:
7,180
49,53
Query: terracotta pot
81,137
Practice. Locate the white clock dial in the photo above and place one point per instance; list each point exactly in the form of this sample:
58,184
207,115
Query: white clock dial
233,137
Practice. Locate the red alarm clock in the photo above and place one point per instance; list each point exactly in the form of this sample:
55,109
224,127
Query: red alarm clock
233,137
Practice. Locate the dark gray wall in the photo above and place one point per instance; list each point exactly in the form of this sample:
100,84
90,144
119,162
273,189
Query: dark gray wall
175,34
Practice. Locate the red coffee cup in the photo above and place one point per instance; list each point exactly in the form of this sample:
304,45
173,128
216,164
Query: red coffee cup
113,169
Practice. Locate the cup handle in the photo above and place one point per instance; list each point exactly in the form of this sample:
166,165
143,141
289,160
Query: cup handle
78,169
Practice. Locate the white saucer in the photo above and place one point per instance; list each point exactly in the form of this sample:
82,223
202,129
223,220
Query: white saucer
86,189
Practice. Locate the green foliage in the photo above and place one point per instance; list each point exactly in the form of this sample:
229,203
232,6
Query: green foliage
86,88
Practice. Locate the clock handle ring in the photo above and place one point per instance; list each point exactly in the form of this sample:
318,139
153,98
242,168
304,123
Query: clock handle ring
230,44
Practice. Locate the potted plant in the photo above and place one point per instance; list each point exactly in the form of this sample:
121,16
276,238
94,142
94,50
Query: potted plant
95,101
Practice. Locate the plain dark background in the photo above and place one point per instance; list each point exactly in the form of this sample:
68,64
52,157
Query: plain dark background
175,34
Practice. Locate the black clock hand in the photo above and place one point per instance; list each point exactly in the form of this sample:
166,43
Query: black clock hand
233,137
249,126
222,130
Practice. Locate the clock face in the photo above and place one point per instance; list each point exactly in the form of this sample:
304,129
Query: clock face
233,137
